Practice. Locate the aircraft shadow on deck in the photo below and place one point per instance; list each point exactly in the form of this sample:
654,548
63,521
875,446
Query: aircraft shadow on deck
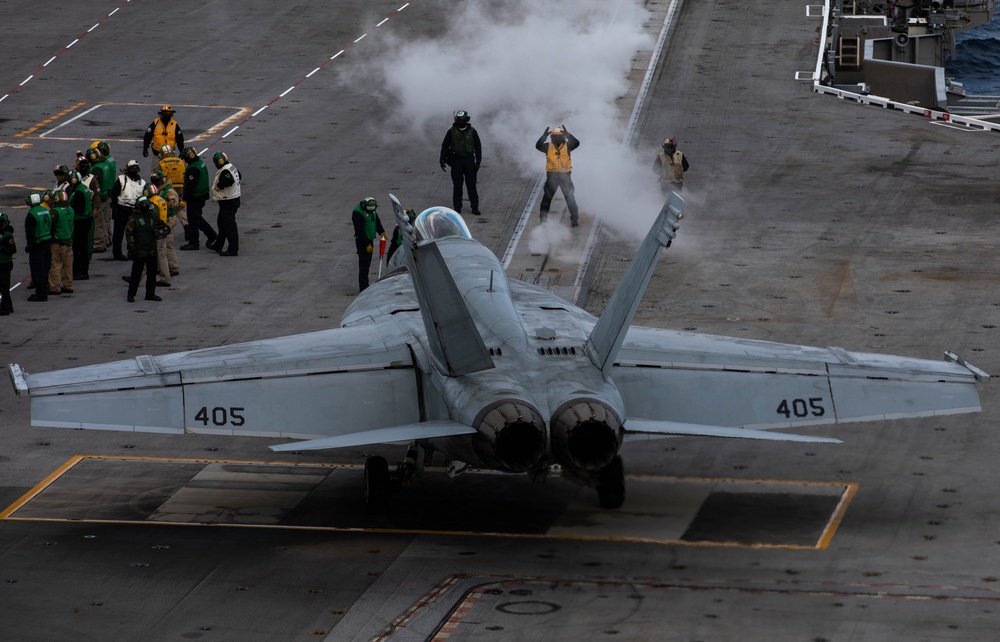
665,510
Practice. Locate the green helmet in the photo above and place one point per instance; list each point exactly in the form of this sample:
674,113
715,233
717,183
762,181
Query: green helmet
58,196
48,196
33,199
61,169
157,178
220,156
103,147
369,204
93,155
462,116
75,178
150,190
143,205
190,154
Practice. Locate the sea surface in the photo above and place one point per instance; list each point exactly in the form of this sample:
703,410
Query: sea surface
978,64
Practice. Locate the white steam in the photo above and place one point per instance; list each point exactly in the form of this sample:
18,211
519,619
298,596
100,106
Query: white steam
519,66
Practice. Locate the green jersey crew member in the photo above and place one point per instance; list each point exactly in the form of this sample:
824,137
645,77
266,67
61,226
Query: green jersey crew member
196,194
367,228
462,150
38,237
142,249
558,169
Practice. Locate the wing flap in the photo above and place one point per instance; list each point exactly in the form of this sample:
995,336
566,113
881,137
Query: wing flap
408,432
637,427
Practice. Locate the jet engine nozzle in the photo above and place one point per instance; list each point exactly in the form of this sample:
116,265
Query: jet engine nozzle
586,434
512,435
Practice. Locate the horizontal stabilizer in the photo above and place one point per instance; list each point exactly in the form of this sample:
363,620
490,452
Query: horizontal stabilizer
665,428
407,432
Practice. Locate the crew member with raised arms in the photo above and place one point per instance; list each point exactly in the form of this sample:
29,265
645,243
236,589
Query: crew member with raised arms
558,170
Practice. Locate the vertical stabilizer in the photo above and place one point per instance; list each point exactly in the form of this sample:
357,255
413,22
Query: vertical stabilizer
456,345
607,336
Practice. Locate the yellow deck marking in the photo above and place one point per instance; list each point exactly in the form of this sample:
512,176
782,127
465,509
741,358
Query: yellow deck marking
850,489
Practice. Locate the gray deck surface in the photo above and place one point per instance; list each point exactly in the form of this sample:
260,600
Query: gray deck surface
809,220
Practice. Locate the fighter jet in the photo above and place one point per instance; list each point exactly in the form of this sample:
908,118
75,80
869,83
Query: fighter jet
448,355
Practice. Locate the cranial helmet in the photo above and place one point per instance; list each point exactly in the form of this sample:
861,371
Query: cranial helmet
669,140
220,156
462,116
369,204
143,205
150,190
48,196
166,109
558,131
190,154
61,169
75,178
93,155
156,178
104,148
84,165
166,150
58,196
33,199
4,220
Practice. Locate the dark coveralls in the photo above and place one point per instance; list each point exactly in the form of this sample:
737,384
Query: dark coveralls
559,180
7,251
463,151
366,247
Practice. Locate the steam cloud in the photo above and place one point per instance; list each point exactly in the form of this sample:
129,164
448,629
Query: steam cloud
519,66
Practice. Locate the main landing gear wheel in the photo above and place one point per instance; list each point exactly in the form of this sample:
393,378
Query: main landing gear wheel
377,484
611,484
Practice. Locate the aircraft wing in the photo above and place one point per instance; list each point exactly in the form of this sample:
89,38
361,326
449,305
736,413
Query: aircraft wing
320,384
689,378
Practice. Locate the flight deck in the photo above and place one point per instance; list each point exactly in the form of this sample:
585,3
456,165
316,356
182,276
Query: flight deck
660,510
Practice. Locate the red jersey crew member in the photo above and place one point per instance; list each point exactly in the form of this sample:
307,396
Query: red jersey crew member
367,228
558,169
226,190
163,131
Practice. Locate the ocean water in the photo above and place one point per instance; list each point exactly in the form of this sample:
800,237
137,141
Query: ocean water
978,64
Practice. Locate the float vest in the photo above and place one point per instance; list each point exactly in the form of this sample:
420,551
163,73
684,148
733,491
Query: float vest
199,187
173,168
131,190
557,159
462,142
164,134
101,170
672,167
160,205
62,224
6,258
226,193
43,223
88,208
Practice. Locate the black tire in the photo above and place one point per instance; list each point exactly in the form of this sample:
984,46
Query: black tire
611,484
376,484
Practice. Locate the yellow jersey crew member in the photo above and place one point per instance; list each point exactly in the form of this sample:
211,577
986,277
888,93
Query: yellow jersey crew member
367,230
671,163
558,169
163,131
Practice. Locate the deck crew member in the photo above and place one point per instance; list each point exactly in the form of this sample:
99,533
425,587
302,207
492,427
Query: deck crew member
462,150
558,170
